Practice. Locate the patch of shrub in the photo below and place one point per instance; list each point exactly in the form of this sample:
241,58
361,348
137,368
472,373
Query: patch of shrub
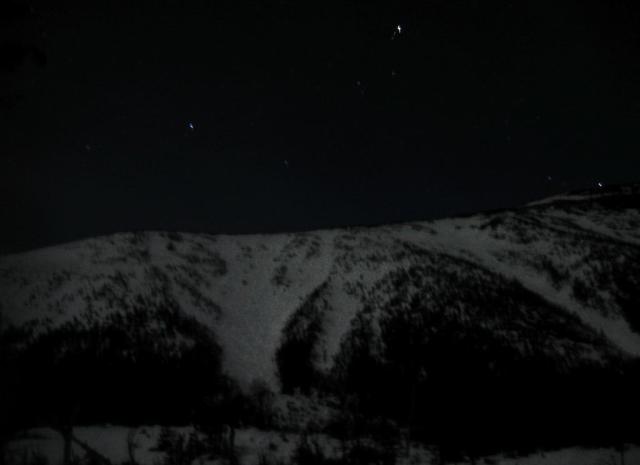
476,364
297,355
151,364
308,452
181,449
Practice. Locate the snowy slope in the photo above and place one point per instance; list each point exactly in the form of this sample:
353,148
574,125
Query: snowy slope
111,442
574,257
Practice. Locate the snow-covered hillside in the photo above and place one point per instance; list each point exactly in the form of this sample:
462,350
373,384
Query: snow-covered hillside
575,259
111,442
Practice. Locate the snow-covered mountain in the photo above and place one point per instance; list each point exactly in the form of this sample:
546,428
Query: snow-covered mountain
559,277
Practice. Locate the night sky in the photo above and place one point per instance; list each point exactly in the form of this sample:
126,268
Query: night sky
263,116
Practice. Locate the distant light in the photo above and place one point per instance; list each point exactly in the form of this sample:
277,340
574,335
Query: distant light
600,184
399,28
191,126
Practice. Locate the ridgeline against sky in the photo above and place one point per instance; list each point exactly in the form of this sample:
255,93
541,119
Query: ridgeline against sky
278,115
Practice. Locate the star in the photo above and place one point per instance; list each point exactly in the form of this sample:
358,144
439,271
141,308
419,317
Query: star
397,31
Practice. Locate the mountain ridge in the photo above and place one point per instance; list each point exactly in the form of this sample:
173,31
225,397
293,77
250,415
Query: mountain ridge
573,195
248,288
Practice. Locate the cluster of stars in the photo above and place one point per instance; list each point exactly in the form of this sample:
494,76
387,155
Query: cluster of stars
397,30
